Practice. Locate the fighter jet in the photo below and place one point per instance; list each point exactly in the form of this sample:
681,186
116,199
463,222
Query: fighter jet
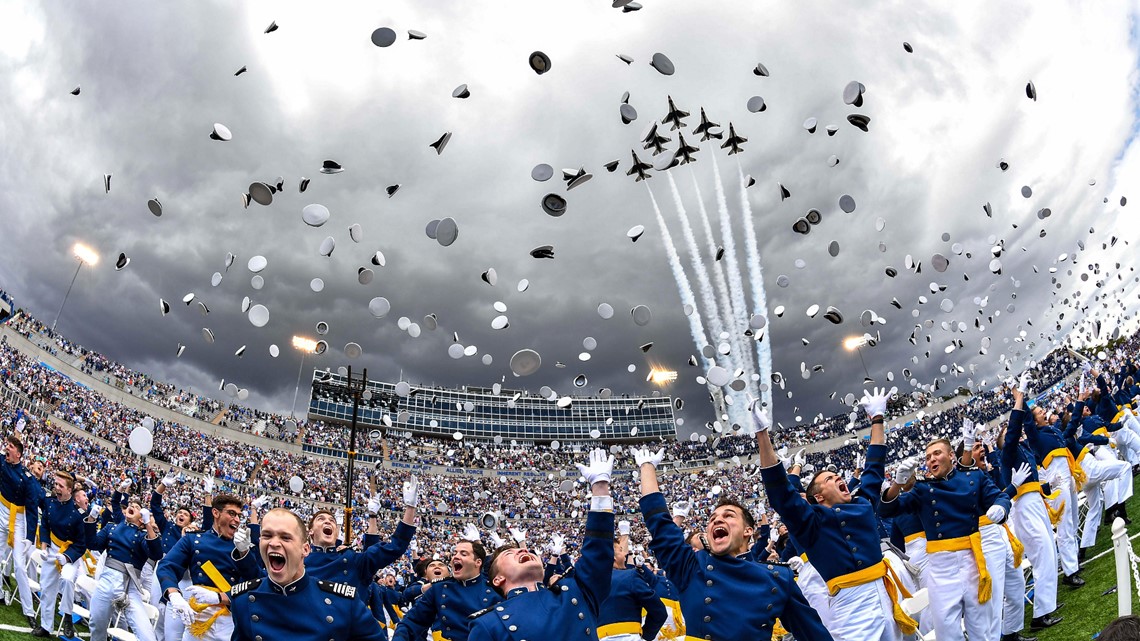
685,151
654,140
705,129
734,142
639,168
674,116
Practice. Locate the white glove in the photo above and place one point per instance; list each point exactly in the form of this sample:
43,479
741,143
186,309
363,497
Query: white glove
208,485
145,516
203,596
682,508
799,458
796,563
967,433
905,471
1021,474
242,541
181,608
124,486
518,535
62,559
599,468
859,461
875,402
497,540
643,455
374,508
411,492
760,420
470,532
623,527
170,479
557,544
1023,384
261,501
996,513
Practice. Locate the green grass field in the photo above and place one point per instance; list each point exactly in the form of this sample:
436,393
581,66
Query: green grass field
1086,609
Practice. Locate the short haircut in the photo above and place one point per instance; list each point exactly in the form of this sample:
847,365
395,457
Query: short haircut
477,549
494,558
1125,628
186,509
318,513
222,501
68,480
940,441
15,440
728,500
813,487
301,531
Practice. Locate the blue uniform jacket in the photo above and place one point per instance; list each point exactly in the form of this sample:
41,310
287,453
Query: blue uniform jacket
62,521
168,531
445,609
1042,439
382,598
629,595
949,508
13,482
569,609
306,610
127,543
726,598
33,506
559,567
840,539
194,550
1014,453
358,568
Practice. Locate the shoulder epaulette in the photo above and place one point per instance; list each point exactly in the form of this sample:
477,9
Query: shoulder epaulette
479,613
244,586
340,589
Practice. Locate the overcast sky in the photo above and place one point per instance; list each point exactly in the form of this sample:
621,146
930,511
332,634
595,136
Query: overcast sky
155,77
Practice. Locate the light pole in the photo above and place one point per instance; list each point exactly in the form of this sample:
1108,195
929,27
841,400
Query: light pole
356,387
306,346
85,255
857,343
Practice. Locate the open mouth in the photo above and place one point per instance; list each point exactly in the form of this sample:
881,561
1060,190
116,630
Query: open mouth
525,557
456,567
719,534
328,530
276,561
841,486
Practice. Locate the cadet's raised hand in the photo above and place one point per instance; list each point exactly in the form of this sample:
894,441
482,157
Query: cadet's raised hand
599,467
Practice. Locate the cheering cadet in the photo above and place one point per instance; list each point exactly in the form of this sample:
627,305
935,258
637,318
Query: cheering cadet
620,616
447,603
949,502
128,545
64,538
569,608
725,594
14,488
290,604
215,559
839,532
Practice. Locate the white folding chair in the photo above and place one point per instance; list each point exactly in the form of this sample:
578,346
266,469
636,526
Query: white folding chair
120,633
84,590
35,562
916,603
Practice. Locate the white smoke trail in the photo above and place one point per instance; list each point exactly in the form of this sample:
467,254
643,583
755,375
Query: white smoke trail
756,280
696,326
724,307
737,320
709,309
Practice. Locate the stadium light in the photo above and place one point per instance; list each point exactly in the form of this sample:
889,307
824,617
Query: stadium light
85,255
306,346
662,376
856,343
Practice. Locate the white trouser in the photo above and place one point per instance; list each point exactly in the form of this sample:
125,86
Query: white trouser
1032,527
1008,600
1103,475
1127,443
56,581
19,554
952,580
1104,467
815,591
863,613
109,584
916,550
905,578
172,627
1061,479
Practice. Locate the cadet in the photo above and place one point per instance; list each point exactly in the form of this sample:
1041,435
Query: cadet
64,538
725,594
14,483
216,559
290,604
569,608
128,545
346,565
446,604
630,594
839,531
949,503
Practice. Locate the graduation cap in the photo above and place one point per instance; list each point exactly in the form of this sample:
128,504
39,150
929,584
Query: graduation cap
154,206
122,261
416,35
461,92
163,307
853,93
106,183
661,62
756,104
75,92
221,132
315,215
392,189
611,166
543,251
272,27
261,193
624,58
635,232
439,144
539,62
241,71
304,184
907,47
383,37
859,120
1031,91
331,167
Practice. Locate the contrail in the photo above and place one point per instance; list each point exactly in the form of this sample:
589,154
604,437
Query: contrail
756,279
724,305
696,326
698,265
737,318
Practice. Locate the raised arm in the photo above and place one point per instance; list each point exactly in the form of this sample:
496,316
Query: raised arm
594,570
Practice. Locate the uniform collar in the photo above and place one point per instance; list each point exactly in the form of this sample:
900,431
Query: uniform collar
327,550
291,588
522,590
475,580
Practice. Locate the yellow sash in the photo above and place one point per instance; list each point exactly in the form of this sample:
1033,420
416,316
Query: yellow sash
622,627
63,545
199,628
1054,515
974,544
1014,543
1075,470
13,510
883,571
678,627
914,537
436,635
